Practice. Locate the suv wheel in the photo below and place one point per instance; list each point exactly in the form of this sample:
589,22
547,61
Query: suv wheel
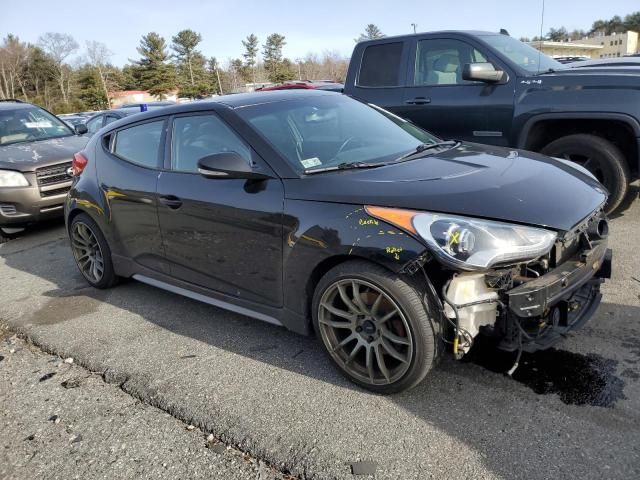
6,236
91,252
600,157
374,326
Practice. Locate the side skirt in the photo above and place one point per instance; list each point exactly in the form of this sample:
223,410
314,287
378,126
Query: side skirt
203,298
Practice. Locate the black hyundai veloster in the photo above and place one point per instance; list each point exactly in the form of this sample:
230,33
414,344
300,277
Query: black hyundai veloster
317,212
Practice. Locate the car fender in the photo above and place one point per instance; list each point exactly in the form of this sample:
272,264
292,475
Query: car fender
311,247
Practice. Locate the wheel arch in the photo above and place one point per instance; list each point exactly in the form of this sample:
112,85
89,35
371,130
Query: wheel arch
620,129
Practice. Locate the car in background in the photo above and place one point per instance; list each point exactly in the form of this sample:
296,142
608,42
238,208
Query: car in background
565,60
36,151
629,61
317,212
90,126
304,85
491,88
160,103
73,119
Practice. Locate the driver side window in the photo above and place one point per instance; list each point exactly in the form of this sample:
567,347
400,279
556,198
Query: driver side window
440,62
198,136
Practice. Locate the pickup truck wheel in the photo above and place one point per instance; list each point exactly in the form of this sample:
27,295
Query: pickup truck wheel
600,157
374,326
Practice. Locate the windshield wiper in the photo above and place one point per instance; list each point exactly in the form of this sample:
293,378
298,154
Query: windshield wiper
341,166
423,147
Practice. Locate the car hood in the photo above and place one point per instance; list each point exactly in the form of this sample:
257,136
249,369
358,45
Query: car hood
26,157
471,179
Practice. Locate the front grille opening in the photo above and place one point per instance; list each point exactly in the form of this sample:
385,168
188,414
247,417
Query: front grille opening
8,209
53,175
53,193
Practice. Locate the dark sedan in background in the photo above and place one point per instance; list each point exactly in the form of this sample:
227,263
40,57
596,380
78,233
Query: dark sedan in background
314,211
94,123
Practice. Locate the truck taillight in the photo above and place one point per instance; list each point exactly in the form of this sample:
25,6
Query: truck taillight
78,164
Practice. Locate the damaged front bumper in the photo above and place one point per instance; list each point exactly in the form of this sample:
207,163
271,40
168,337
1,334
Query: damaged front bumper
540,311
527,313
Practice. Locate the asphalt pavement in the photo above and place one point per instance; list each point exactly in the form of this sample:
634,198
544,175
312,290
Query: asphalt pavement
573,412
60,421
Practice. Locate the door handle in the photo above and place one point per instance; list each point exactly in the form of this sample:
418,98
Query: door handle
171,201
418,101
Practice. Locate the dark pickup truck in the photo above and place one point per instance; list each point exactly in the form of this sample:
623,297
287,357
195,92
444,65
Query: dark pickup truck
491,88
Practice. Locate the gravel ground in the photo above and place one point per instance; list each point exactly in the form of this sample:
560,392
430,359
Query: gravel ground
60,420
573,412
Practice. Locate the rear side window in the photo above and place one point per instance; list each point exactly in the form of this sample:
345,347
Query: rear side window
140,144
380,65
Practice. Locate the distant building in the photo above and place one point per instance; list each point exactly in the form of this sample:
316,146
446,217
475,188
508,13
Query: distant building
616,45
137,96
603,46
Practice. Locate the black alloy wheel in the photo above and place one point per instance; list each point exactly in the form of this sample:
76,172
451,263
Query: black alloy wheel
91,252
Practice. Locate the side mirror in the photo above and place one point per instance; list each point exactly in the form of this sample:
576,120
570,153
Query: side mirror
483,72
81,129
227,165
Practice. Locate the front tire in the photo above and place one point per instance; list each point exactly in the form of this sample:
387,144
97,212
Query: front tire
600,157
91,252
374,326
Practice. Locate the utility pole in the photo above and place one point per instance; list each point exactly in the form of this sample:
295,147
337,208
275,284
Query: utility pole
414,25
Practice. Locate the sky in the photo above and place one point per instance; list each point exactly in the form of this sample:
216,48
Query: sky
309,26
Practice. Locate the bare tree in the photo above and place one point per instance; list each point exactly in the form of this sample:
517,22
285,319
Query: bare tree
99,55
59,46
13,59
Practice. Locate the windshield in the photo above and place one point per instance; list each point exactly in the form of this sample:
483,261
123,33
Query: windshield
333,130
523,55
26,124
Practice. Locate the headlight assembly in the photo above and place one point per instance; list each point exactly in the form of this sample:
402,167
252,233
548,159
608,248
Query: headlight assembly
470,243
9,178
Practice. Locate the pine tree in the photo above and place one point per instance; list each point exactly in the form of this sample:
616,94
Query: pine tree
277,70
184,44
156,74
251,54
371,32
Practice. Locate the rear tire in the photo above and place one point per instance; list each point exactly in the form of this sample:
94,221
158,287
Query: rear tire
91,252
600,157
386,348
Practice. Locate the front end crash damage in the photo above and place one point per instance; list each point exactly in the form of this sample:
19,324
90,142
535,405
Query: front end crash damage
527,306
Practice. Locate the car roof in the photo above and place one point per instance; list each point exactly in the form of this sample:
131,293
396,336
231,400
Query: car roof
231,101
476,33
240,100
14,105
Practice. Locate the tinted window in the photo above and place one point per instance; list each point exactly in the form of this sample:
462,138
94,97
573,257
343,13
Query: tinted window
330,130
381,65
140,144
201,135
94,124
440,62
110,119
